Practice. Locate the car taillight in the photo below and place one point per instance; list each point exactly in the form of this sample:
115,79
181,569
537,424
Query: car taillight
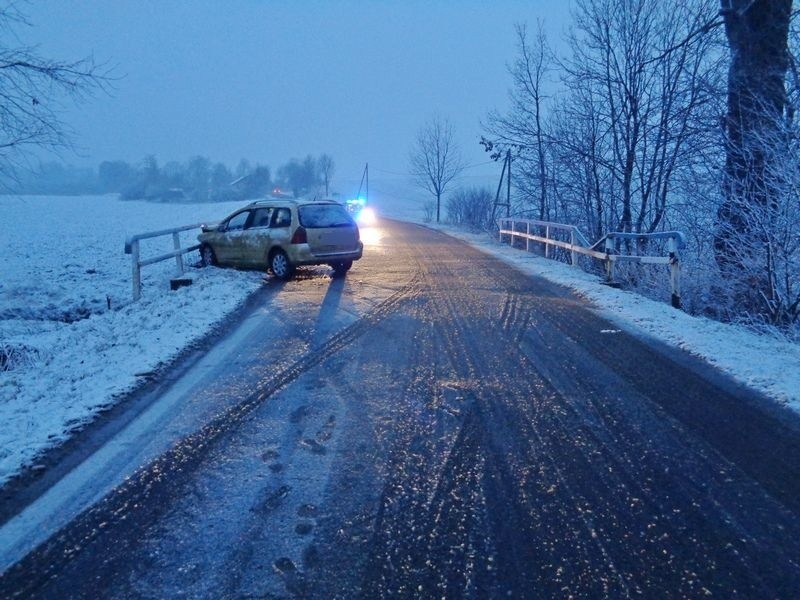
299,236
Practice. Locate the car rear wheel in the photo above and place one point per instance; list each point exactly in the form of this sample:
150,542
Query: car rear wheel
207,256
280,265
341,267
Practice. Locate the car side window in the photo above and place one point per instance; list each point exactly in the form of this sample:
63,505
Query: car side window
281,217
261,217
236,222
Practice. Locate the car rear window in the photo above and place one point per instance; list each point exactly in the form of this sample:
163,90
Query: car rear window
324,215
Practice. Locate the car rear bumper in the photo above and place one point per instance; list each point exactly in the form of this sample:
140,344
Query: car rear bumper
301,254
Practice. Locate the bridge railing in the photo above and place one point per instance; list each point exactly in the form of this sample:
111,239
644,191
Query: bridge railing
607,249
132,248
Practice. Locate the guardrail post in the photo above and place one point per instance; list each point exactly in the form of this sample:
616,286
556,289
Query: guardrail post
528,239
546,244
574,256
137,272
176,243
609,269
674,273
610,248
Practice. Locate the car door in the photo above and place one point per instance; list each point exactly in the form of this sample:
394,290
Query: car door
228,241
256,238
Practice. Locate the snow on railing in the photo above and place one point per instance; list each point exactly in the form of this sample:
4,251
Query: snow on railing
132,248
606,249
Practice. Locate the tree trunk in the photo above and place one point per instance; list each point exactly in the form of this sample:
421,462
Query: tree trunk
757,32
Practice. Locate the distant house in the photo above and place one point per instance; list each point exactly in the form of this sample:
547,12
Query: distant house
253,185
240,182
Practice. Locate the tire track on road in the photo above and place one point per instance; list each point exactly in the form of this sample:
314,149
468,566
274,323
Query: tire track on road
494,484
579,465
662,503
109,520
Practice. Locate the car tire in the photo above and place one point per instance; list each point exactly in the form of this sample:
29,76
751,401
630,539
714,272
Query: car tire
341,268
280,265
207,256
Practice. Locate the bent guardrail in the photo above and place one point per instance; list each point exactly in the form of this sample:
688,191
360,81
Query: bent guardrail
132,248
606,249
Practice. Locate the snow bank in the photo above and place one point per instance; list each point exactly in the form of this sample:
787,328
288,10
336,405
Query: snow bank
69,355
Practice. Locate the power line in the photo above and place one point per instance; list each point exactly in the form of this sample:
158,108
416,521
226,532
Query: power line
472,166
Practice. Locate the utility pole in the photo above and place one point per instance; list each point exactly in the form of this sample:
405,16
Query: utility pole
364,179
504,174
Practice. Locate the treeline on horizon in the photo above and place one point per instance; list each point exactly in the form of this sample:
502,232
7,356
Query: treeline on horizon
197,180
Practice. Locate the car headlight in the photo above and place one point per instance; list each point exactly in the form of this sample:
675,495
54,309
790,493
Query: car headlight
366,216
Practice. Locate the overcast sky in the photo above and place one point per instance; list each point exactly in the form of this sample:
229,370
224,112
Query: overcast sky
273,80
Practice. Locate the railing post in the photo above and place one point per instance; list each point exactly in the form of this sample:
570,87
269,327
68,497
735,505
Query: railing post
609,270
176,243
137,274
611,248
674,273
528,239
574,252
547,244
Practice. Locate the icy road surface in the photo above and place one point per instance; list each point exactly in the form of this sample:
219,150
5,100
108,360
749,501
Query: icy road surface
435,425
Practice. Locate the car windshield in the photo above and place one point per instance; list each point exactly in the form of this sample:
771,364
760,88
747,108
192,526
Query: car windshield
324,215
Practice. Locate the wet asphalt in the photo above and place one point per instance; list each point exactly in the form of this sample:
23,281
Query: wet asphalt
472,433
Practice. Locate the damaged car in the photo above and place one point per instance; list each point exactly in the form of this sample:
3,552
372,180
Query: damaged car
280,235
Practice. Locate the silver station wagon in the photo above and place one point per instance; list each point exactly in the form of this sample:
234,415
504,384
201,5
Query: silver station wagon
280,235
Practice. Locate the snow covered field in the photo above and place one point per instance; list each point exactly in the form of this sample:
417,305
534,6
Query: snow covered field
64,355
63,258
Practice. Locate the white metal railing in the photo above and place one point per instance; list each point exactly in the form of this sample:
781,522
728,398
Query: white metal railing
132,248
606,249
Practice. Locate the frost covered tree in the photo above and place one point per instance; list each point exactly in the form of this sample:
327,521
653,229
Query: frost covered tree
759,179
32,91
641,75
471,207
435,159
623,127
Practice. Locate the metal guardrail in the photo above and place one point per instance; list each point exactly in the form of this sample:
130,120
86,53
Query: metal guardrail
606,249
132,248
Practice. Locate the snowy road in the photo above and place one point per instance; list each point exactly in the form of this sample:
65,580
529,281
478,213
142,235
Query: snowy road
440,425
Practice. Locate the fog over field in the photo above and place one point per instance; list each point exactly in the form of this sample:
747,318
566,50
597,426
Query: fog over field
269,81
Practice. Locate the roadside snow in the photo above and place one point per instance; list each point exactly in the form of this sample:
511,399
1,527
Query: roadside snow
63,259
63,263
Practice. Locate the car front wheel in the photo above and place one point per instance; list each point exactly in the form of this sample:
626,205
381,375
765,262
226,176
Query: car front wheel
280,265
207,256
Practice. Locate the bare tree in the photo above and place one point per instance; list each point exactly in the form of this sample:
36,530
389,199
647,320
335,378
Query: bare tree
607,150
435,159
646,98
31,91
522,127
326,169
